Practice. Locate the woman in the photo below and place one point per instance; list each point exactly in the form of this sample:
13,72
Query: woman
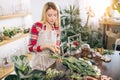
45,37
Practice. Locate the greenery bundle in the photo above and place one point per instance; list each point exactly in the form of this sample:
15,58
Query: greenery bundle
24,71
79,66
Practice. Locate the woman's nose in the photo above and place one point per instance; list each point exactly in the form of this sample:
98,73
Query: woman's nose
53,17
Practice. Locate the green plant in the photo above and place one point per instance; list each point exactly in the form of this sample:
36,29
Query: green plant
79,66
24,71
12,77
26,30
17,29
21,64
91,37
10,32
70,22
71,25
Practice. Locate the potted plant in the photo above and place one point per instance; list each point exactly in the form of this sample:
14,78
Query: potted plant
11,32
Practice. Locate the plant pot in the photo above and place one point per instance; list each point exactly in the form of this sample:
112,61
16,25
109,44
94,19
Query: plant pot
7,38
100,50
17,35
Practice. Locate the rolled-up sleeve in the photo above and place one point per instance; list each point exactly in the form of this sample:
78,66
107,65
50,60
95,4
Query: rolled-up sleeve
58,37
33,38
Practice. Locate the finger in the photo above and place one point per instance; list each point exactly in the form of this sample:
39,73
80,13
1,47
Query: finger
52,49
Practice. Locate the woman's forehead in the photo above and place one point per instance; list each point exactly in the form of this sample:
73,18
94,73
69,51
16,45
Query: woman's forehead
51,11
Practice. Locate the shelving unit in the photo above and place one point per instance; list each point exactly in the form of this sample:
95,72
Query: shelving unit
21,11
13,39
14,16
4,71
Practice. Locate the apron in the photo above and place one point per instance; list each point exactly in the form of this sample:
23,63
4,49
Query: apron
41,60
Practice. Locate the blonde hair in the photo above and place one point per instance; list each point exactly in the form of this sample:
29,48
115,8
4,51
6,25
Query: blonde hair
47,6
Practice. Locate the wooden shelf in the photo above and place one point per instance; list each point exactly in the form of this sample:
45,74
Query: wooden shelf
14,16
13,39
110,23
4,71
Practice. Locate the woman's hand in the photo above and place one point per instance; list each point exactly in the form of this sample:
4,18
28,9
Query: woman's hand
53,48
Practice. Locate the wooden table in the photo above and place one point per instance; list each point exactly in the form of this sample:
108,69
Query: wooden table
112,69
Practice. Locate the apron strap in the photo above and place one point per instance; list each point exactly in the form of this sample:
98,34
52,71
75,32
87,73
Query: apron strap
43,27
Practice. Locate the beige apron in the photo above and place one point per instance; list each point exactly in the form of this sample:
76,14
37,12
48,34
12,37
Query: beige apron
41,60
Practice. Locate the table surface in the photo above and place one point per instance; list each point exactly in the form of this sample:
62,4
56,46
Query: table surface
112,69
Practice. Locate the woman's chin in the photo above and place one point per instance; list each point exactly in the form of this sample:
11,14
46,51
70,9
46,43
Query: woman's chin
52,23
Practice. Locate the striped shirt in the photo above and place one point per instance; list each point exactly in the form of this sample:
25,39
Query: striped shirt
36,28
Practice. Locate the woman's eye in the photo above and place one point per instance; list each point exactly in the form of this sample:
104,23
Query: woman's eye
55,15
49,15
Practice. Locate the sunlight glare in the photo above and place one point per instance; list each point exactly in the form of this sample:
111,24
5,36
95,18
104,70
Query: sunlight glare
99,6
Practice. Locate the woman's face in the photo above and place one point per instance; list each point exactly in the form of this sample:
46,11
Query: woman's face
51,16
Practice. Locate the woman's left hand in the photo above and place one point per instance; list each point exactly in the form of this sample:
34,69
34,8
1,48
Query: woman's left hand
51,47
55,49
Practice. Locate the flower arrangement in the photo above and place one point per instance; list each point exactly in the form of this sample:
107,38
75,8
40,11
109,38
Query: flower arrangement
75,45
